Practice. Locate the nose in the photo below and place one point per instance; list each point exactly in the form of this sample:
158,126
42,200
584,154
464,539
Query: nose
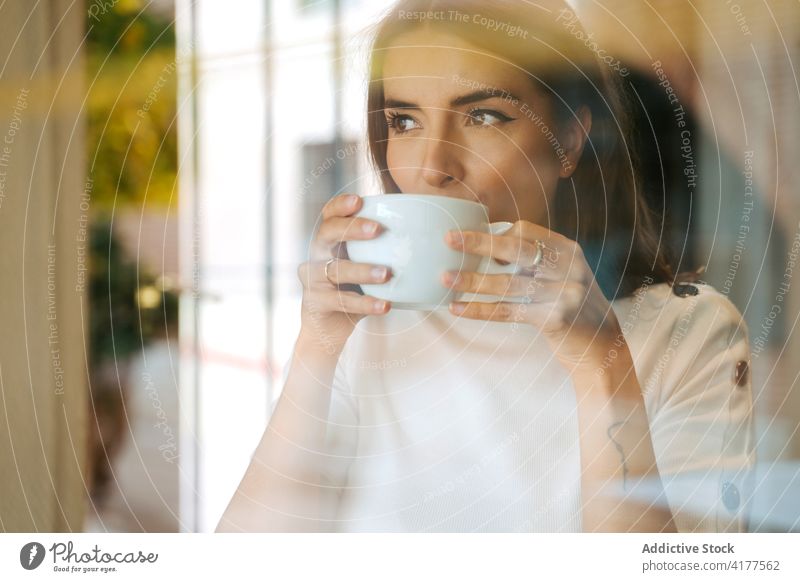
441,164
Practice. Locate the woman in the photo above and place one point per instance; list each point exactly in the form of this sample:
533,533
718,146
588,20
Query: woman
567,413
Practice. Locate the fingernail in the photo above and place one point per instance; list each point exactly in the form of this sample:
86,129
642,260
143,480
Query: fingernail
379,273
379,307
370,227
452,278
457,308
352,199
456,237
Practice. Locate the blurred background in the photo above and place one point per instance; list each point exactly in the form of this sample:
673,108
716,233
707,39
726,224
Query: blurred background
162,168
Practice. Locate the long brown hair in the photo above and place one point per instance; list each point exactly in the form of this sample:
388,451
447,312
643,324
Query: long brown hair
601,205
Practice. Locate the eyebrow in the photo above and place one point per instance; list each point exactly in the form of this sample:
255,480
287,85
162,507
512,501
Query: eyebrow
475,96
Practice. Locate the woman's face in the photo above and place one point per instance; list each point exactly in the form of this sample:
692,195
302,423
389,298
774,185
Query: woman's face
462,123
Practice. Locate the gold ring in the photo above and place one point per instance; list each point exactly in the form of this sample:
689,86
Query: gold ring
328,264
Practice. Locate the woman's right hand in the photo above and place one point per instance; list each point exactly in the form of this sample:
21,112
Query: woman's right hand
330,313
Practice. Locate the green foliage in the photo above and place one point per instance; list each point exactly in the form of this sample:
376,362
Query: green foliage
119,326
132,158
132,153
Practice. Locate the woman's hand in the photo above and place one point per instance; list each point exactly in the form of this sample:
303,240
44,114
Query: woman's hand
330,311
560,294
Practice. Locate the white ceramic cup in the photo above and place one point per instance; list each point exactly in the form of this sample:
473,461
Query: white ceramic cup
413,245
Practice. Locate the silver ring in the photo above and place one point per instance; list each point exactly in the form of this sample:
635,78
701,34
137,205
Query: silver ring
328,264
539,253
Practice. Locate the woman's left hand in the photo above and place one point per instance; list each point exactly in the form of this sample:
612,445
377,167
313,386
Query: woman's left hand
562,297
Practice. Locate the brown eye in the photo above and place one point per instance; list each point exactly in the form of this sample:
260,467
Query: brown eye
487,117
399,122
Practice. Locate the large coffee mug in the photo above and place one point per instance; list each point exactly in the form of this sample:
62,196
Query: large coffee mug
412,243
